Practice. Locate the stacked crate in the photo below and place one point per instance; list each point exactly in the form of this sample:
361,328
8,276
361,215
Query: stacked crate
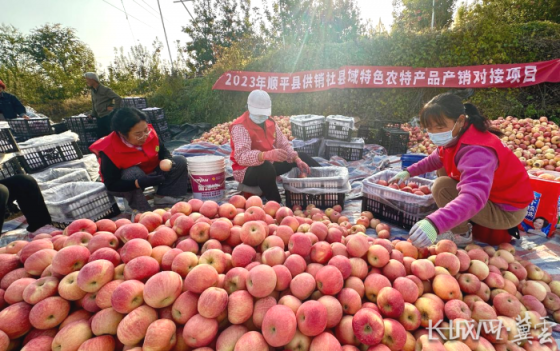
387,134
156,116
86,128
136,102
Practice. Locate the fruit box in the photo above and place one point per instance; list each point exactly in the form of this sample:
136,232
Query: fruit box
542,213
396,206
307,127
320,177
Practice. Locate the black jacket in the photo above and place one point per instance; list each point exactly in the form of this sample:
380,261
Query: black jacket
112,174
10,106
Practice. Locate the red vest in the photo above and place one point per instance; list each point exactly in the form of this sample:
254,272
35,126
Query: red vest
260,140
124,156
511,184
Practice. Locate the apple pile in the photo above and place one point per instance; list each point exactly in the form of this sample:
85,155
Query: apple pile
418,141
247,276
220,134
410,187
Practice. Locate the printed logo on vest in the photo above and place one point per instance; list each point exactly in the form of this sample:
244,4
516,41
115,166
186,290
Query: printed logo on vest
157,148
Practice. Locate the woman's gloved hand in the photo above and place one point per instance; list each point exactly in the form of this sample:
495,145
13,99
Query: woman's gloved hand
276,155
423,234
150,180
400,177
303,167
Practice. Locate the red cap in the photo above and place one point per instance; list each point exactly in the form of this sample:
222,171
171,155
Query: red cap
2,85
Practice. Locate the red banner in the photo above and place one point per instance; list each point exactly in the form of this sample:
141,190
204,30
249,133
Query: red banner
367,77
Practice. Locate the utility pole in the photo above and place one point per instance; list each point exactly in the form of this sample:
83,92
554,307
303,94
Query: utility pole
167,41
433,12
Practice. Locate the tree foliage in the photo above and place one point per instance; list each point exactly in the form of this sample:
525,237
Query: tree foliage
416,15
509,11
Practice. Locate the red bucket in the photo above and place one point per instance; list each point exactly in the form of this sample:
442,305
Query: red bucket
489,236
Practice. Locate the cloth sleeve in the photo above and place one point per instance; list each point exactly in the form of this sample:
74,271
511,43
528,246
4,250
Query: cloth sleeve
477,165
283,143
112,176
163,153
18,106
114,96
426,165
243,154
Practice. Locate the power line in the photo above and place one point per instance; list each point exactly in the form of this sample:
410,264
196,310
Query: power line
167,41
108,3
129,25
143,8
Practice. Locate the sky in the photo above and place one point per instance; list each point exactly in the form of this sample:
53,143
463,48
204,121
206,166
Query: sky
103,26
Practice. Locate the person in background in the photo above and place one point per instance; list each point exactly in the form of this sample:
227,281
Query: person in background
10,106
25,190
480,179
259,150
133,158
104,101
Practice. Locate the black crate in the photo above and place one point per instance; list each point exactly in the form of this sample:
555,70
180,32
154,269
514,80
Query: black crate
310,149
37,159
60,127
371,133
323,201
136,102
308,132
395,140
389,214
10,168
338,132
84,147
347,152
25,129
110,213
7,142
85,127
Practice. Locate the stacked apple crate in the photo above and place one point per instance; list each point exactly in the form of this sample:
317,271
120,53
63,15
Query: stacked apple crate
327,137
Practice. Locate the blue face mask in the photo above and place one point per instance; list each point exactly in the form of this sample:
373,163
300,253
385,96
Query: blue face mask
258,119
443,138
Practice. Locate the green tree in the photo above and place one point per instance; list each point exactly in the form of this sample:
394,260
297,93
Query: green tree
61,59
509,11
416,15
312,21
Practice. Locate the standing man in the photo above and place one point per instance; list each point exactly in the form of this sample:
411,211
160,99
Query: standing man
104,100
10,106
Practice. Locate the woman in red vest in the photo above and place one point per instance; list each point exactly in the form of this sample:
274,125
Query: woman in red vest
133,158
259,150
483,182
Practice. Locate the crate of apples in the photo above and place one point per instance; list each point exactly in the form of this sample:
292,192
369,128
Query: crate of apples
248,276
410,187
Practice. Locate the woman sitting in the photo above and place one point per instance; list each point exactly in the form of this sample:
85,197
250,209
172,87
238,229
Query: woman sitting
259,150
133,158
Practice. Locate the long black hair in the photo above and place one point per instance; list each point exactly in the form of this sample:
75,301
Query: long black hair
125,118
448,105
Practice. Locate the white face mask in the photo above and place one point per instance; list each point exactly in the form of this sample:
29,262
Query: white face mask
258,119
443,138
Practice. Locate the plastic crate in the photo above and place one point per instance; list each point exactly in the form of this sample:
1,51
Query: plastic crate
85,127
156,117
7,142
56,176
35,159
352,150
327,200
69,202
60,127
25,129
309,147
394,140
306,127
136,102
339,127
396,206
320,178
371,132
10,168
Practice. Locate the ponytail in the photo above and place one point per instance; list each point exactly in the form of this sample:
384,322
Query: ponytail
480,122
451,106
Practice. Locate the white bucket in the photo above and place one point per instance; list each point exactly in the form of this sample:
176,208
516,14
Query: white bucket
208,177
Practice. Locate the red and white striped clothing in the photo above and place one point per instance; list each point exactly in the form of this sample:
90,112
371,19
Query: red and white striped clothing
247,157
